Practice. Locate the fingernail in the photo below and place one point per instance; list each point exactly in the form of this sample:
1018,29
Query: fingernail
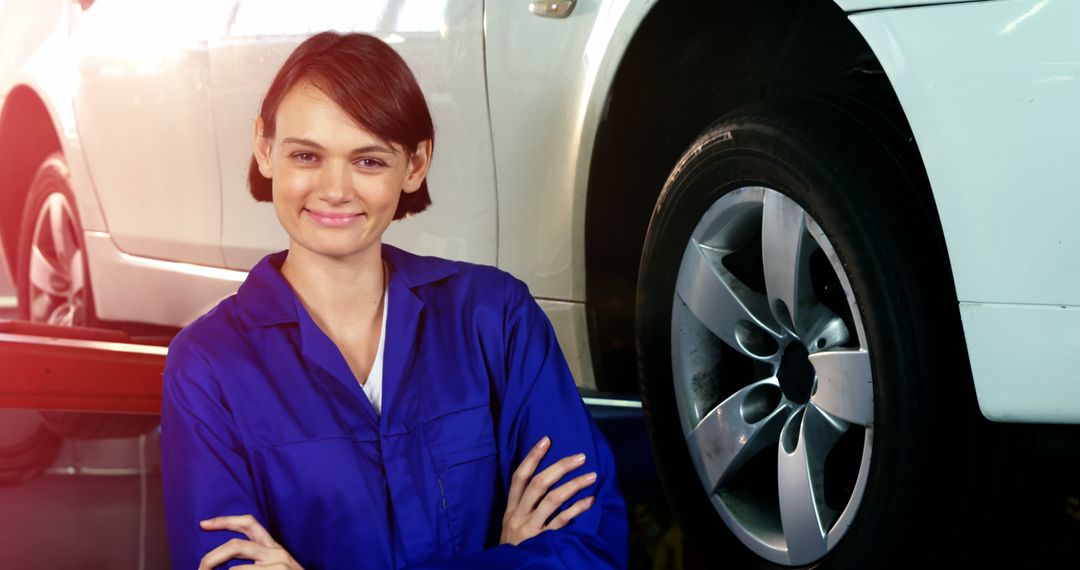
544,442
591,476
579,458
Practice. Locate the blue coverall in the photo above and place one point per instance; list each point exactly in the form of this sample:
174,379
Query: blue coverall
261,414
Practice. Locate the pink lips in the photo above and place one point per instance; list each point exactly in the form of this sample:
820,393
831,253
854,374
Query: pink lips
332,219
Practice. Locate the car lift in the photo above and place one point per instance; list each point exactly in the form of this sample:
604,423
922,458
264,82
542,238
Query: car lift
50,367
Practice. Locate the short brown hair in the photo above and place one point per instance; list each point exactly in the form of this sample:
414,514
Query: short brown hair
371,83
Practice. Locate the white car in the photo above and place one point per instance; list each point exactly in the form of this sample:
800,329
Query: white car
813,235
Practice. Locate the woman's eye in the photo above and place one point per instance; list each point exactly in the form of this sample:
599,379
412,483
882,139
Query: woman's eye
304,156
370,163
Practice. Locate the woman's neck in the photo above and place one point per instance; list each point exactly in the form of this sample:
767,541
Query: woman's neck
340,294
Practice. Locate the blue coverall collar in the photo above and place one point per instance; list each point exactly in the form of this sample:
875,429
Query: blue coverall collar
268,299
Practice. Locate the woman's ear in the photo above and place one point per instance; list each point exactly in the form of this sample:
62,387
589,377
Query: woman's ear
419,161
261,150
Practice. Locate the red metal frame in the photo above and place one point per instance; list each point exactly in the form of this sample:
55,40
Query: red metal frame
48,367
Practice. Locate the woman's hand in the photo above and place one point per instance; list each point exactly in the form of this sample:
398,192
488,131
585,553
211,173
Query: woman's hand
524,518
260,549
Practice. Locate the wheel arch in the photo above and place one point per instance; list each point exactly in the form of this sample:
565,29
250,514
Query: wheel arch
687,65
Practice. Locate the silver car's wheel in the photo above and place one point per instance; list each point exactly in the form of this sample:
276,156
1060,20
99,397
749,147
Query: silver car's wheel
792,314
795,321
57,283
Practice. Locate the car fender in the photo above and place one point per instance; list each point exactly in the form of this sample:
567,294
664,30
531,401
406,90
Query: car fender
988,89
46,71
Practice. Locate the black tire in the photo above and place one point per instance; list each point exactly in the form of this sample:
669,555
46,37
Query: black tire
51,183
850,169
27,452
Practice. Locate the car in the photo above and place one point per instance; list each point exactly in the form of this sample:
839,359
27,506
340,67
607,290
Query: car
827,242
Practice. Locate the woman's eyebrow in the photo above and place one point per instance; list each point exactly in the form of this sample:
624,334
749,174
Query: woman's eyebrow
358,150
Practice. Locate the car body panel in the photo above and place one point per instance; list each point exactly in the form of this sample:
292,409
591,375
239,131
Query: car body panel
190,289
990,90
985,102
571,328
142,102
549,78
1023,358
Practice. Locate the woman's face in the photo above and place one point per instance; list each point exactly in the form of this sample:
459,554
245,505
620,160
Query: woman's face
336,186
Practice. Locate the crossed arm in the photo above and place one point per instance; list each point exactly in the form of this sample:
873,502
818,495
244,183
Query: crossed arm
529,511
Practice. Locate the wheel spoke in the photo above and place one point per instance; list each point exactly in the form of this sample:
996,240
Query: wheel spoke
735,430
76,271
725,305
40,306
826,332
44,273
785,252
805,441
62,315
58,222
845,386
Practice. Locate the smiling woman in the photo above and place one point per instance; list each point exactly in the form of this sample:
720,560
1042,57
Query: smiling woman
402,119
330,172
355,402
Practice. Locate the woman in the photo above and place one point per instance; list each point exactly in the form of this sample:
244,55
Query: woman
355,405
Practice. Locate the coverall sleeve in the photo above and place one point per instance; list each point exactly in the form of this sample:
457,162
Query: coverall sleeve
539,398
204,466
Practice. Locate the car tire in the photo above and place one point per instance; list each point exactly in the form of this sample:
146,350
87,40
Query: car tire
53,287
794,307
27,446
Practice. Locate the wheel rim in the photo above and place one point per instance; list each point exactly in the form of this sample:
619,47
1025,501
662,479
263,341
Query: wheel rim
57,286
772,376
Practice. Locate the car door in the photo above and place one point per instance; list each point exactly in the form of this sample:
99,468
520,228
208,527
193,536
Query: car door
442,41
142,103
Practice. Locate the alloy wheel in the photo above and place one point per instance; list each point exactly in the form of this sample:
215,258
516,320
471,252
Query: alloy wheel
57,284
772,375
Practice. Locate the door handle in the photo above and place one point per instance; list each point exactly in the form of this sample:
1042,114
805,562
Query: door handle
552,8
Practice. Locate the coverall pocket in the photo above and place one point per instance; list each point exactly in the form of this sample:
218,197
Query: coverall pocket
463,450
445,459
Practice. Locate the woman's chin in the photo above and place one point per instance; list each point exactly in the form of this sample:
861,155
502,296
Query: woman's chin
335,250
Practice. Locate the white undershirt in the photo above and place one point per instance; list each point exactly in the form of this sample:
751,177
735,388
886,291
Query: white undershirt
373,385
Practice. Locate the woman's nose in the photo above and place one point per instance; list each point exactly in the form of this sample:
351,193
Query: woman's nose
336,183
